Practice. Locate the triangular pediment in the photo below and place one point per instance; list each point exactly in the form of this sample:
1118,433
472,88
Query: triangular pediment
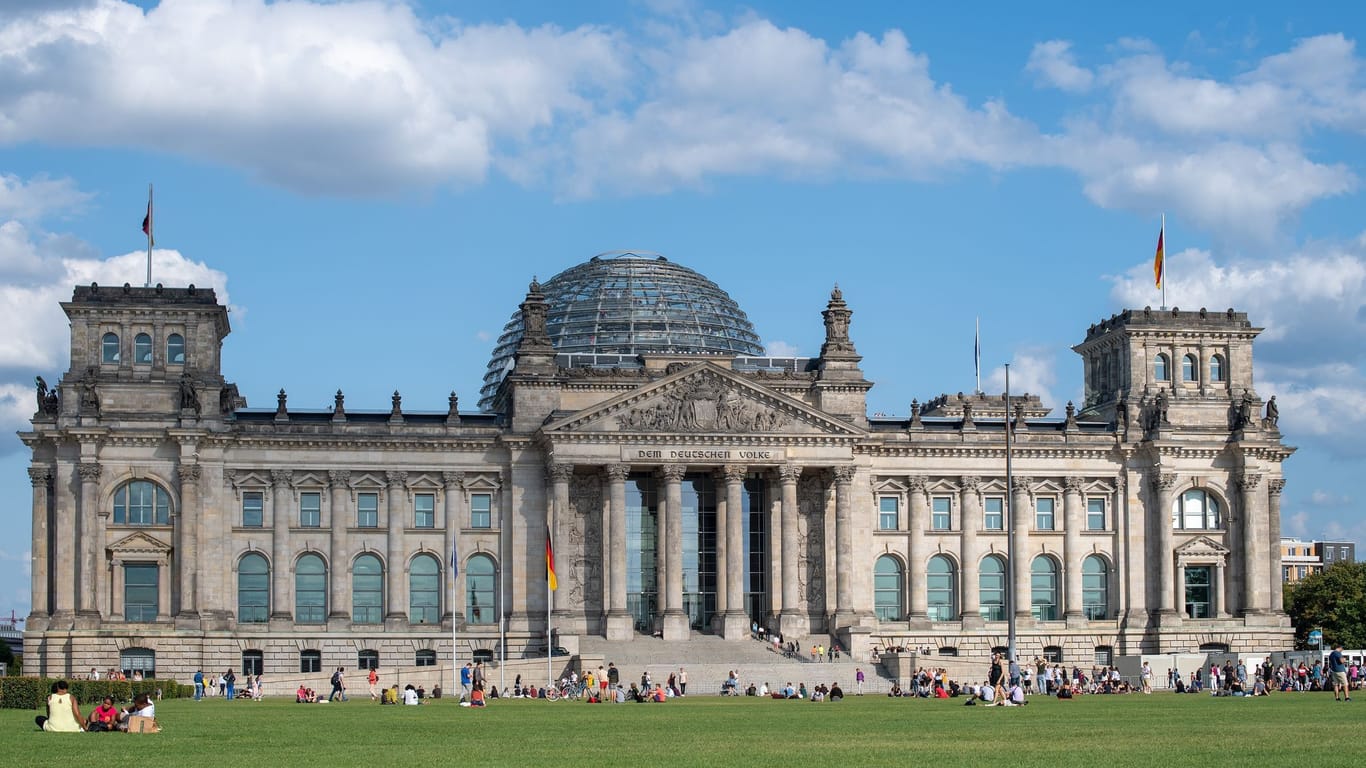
703,399
139,543
1202,547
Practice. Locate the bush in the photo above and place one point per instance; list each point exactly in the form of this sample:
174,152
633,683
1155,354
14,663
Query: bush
32,692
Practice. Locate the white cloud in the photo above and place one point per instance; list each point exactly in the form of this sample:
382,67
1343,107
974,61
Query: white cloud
1055,65
778,348
37,197
1033,371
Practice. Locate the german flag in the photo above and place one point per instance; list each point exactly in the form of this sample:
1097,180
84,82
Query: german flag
550,561
1160,258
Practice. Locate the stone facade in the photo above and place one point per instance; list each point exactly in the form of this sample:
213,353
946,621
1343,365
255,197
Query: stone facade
683,493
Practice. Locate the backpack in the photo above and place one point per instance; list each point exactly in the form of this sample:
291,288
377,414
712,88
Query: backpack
336,678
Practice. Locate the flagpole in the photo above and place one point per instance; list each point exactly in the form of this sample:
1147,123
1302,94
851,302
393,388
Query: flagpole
1164,260
149,228
977,351
455,575
1010,532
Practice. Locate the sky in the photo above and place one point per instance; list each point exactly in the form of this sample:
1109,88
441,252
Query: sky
372,185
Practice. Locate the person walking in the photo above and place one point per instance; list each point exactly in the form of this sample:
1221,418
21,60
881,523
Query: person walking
198,684
338,685
466,679
1146,677
1338,669
373,679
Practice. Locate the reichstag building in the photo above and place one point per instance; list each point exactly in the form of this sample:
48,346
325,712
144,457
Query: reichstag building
689,484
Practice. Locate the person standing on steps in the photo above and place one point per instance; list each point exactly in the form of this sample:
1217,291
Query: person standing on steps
858,681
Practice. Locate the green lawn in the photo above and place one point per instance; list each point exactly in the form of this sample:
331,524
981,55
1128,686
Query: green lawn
1161,730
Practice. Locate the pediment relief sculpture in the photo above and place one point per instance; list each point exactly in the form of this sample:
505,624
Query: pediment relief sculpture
703,405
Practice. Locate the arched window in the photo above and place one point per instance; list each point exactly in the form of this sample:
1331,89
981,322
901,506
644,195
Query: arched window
425,658
109,348
887,592
1216,368
1160,368
143,660
141,502
1095,587
175,349
481,590
253,589
1043,588
941,599
142,349
991,588
1196,509
424,590
367,590
1189,368
310,590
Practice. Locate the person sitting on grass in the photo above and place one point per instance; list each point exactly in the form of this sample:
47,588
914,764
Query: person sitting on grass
477,695
410,697
836,693
63,714
141,707
1065,690
105,716
659,695
987,694
390,696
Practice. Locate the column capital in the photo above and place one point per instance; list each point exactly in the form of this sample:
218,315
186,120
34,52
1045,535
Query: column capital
1021,484
616,472
39,476
970,483
1072,483
281,478
89,471
1120,482
673,472
1248,481
734,473
917,483
396,478
1164,481
844,474
189,473
454,481
560,472
789,473
338,478
1275,485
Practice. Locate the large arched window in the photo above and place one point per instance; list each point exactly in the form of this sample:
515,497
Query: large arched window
141,502
1043,588
1216,368
1189,368
1196,509
991,588
142,349
481,590
367,590
424,590
1161,368
1095,587
175,349
887,588
941,598
253,589
310,590
109,348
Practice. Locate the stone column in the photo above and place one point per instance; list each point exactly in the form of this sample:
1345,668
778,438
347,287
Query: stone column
65,511
735,624
187,544
917,521
89,584
970,523
722,559
1274,487
1164,483
116,581
1020,514
396,608
559,476
844,547
792,622
620,623
1256,585
675,620
41,478
1073,516
280,609
164,588
339,487
453,507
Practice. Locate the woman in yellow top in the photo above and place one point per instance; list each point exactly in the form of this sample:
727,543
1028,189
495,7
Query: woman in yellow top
63,715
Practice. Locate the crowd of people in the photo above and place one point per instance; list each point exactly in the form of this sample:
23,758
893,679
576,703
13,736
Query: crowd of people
64,713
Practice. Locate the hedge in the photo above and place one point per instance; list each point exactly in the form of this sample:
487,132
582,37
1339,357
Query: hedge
32,692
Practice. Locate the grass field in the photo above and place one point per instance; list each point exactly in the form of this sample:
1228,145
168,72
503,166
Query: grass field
1162,730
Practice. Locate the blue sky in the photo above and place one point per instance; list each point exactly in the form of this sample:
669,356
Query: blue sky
374,184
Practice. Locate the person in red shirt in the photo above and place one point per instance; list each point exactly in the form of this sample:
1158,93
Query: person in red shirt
374,684
105,715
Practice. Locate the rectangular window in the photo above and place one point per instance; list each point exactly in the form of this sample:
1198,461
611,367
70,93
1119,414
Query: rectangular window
1043,514
1095,514
253,509
1199,591
481,510
888,509
941,513
310,661
140,588
424,510
367,510
310,510
995,513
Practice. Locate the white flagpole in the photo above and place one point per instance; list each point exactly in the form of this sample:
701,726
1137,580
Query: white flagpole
455,654
977,352
150,228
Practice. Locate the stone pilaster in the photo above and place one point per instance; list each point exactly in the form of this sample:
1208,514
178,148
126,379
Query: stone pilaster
187,545
1073,516
675,620
918,519
844,546
735,621
620,623
559,476
339,488
281,612
1021,524
41,479
90,583
1256,581
1164,485
793,621
970,521
396,608
1274,487
454,506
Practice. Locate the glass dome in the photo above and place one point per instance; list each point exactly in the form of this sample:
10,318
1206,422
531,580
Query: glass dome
627,303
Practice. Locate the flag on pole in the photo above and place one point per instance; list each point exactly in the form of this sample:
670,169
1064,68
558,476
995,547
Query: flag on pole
147,220
1159,260
977,352
455,560
550,562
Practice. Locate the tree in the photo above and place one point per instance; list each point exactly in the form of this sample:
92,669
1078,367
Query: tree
1333,601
